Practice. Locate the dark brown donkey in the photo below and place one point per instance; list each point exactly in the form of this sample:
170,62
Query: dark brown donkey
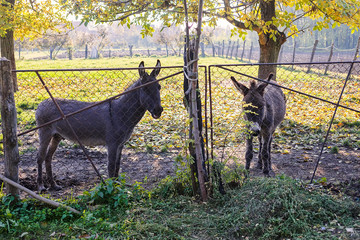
110,123
264,106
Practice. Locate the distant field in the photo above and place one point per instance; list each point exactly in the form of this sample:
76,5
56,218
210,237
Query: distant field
114,62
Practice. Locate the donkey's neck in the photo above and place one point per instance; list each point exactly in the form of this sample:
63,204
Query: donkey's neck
128,107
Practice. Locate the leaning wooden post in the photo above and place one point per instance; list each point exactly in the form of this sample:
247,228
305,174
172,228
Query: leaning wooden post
330,56
9,126
191,70
357,50
312,55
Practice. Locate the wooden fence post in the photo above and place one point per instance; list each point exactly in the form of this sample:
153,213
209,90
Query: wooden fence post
330,56
293,55
223,48
202,46
86,51
9,126
228,50
312,55
357,50
250,53
281,53
232,50
237,49
130,50
243,51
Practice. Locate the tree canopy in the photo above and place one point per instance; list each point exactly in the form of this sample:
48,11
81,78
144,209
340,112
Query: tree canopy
30,18
273,20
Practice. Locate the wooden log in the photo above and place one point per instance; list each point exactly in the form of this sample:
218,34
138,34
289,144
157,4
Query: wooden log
9,126
33,194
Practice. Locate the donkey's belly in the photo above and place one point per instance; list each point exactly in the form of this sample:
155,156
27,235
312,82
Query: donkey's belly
89,140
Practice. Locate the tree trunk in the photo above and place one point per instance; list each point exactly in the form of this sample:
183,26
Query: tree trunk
9,126
269,49
7,51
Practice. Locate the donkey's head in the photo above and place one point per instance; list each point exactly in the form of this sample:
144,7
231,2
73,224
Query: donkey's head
150,94
254,103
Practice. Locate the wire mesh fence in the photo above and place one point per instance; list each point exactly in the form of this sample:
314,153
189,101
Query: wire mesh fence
148,156
311,98
157,146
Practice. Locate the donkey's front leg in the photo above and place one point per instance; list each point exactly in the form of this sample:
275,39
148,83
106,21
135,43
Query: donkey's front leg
265,154
249,151
118,160
113,159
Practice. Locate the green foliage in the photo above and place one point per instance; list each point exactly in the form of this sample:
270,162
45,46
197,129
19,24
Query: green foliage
334,150
115,193
262,208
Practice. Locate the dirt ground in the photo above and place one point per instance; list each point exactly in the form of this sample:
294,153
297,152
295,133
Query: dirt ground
74,173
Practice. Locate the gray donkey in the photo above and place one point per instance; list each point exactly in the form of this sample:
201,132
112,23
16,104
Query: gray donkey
265,108
110,123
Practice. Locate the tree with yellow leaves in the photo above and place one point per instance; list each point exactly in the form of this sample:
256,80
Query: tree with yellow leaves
273,20
21,19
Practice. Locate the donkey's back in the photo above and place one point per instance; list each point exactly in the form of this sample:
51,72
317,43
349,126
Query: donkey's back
275,105
89,125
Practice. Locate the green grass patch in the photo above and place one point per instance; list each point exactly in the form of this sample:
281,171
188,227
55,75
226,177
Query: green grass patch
262,208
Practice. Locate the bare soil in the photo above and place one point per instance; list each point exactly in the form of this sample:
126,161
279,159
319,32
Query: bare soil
74,173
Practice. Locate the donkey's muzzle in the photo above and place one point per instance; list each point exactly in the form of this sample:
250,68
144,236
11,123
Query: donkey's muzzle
254,129
157,112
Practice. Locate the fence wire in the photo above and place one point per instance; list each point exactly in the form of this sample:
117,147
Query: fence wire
155,149
311,98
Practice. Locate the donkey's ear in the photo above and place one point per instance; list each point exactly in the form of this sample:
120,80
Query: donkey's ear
141,69
242,88
261,88
157,69
270,77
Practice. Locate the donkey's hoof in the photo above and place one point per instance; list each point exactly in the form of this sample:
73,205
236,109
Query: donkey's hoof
41,189
55,187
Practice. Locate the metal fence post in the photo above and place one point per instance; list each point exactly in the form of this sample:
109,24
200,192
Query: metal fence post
9,126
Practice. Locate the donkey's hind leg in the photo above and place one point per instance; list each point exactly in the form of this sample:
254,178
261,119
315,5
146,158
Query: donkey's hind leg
249,152
44,137
54,143
260,161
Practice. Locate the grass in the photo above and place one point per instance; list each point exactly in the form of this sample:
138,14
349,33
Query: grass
262,208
